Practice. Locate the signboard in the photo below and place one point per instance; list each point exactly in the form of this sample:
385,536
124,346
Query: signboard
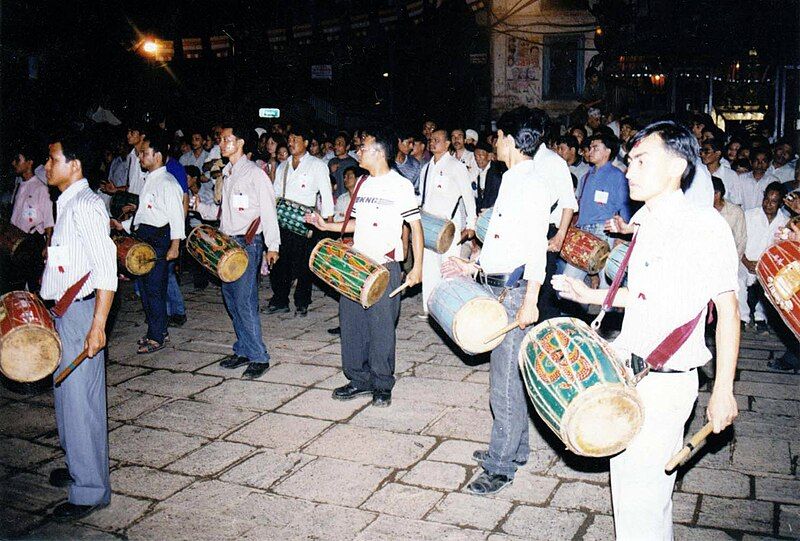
322,71
267,112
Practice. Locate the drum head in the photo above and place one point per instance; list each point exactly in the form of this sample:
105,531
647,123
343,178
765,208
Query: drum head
476,321
602,420
445,237
139,260
232,265
29,353
374,287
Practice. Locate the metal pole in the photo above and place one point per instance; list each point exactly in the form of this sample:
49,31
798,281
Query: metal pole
776,104
782,127
674,92
710,93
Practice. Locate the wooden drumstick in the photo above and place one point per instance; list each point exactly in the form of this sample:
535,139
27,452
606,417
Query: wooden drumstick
508,328
398,290
72,366
692,446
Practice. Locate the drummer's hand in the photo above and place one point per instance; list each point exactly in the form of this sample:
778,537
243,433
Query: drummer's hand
571,289
115,224
618,225
555,244
528,314
792,201
466,234
95,340
271,258
172,253
414,277
129,208
315,219
722,409
455,266
108,187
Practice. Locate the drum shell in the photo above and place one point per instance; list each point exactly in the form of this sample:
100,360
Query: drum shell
482,224
30,348
778,271
119,200
614,262
217,252
584,250
291,216
349,272
468,314
586,399
135,256
438,232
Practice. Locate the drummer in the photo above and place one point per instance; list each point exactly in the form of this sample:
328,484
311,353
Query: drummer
684,256
513,263
384,201
247,196
80,245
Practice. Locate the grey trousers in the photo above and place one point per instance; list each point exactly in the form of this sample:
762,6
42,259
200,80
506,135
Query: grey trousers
81,416
369,337
509,442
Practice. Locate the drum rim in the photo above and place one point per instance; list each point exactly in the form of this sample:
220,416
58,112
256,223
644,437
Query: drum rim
38,327
129,254
484,347
371,280
226,256
446,236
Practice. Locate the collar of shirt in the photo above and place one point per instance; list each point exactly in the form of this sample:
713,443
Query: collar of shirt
67,195
665,206
290,162
233,168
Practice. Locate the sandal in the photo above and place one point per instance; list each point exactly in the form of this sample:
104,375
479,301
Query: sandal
782,365
151,346
143,340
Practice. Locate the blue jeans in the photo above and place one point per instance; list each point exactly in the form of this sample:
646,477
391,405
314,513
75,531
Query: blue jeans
154,284
574,272
509,442
175,306
241,300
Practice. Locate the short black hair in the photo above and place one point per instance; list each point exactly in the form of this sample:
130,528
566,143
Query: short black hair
29,151
385,138
239,131
159,144
301,130
570,140
527,126
678,141
760,150
719,186
407,134
139,126
76,146
743,163
628,121
579,128
610,141
777,143
192,171
483,145
715,144
775,187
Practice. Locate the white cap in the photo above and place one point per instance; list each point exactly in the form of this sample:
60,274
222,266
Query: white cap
260,131
471,134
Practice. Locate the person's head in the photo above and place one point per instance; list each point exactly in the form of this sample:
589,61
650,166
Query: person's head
568,147
592,76
594,118
232,140
185,145
25,159
662,159
349,178
759,161
378,148
742,165
154,152
192,178
579,133
357,139
341,144
773,199
711,152
66,155
483,154
520,131
782,152
216,133
299,140
471,137
405,143
282,152
420,145
627,128
698,124
457,139
732,150
274,140
603,148
439,142
719,190
314,147
136,134
428,127
208,142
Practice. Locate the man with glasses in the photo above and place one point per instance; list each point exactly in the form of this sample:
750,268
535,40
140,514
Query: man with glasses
711,155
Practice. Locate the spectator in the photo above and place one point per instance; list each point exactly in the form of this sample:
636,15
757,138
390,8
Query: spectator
748,190
732,213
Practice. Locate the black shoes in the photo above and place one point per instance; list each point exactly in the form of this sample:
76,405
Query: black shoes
61,478
66,512
176,320
487,483
336,331
255,370
233,361
382,399
482,456
349,391
302,311
782,365
275,309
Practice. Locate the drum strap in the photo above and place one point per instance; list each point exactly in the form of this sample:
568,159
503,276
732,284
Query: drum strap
349,210
425,182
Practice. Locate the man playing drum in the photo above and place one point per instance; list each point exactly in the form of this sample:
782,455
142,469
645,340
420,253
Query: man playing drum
80,245
513,263
682,256
383,202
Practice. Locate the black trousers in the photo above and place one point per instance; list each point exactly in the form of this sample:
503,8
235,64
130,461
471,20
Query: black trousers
292,264
549,303
154,284
369,337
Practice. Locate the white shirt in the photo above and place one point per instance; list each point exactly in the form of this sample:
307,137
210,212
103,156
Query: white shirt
701,191
748,192
382,205
559,182
190,159
302,185
444,187
248,194
80,244
760,232
579,171
517,232
161,203
785,173
684,256
468,159
340,207
135,173
482,178
728,178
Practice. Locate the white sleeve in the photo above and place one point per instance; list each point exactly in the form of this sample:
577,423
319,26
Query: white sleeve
325,192
538,222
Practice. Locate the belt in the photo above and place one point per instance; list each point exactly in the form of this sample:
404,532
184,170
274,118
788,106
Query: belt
88,297
497,280
639,364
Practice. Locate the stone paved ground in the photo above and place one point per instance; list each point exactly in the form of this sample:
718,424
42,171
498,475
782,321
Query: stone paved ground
198,453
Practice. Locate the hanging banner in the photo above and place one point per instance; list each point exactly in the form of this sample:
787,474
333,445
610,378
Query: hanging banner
331,28
302,33
192,48
359,24
165,50
321,72
220,46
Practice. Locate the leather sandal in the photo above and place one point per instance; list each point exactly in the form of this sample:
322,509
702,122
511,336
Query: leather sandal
151,346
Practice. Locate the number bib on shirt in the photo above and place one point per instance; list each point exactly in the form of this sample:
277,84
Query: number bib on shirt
58,257
240,201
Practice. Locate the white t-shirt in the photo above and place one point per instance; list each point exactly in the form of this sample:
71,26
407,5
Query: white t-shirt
382,205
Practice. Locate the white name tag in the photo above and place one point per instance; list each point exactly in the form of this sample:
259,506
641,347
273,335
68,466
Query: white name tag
240,201
29,214
600,197
58,257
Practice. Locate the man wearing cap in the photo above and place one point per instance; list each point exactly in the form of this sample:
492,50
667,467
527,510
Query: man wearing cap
593,121
471,139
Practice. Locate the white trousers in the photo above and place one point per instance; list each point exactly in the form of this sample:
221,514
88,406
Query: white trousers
641,491
432,269
746,280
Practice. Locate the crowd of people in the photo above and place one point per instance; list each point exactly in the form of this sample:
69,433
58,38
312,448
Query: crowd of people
701,206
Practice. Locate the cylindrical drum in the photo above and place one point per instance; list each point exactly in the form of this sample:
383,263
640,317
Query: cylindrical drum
778,271
217,252
578,386
482,224
135,256
438,232
119,200
29,345
292,216
585,251
349,272
468,314
24,249
615,260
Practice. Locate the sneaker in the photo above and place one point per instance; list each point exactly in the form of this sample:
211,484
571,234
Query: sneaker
349,391
487,483
782,365
275,309
382,399
255,370
233,361
177,320
302,311
480,456
61,478
67,512
760,327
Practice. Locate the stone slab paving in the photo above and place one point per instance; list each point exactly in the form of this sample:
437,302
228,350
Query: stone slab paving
200,453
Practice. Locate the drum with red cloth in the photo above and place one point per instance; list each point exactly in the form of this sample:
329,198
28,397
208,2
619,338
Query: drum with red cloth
29,345
585,251
778,271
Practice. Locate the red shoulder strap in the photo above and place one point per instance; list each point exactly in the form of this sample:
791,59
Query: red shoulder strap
352,202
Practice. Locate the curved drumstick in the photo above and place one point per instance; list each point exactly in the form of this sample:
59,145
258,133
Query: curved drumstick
508,328
398,290
692,446
72,366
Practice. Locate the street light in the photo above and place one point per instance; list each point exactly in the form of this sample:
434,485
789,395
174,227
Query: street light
150,47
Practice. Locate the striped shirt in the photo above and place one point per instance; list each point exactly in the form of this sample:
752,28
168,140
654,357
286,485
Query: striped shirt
80,244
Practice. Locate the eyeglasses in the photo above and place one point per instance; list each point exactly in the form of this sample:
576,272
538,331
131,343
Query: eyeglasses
706,150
